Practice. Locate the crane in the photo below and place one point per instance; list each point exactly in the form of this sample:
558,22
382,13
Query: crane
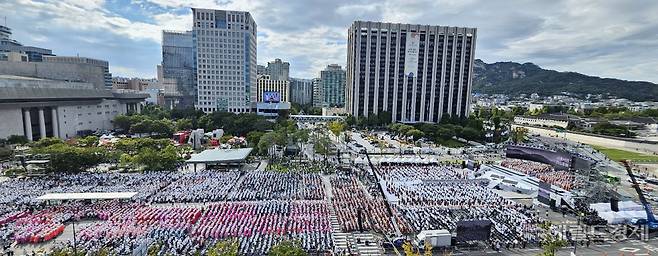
650,221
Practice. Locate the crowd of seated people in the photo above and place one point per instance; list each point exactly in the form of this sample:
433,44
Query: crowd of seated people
448,196
349,198
198,187
544,172
266,185
259,209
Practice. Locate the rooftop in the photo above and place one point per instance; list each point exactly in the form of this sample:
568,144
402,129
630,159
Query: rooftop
221,156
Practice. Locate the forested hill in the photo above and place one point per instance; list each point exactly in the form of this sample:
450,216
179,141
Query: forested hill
515,78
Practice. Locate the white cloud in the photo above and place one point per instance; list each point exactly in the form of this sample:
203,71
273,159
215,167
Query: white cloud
605,38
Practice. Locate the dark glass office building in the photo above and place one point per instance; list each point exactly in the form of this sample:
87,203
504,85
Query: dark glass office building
178,63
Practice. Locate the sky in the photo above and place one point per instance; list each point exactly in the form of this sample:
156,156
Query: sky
607,38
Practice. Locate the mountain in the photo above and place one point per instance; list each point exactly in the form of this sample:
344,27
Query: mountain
515,78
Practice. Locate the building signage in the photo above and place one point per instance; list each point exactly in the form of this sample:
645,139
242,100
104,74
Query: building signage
411,54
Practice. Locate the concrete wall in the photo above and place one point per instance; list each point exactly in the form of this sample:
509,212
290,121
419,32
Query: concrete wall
11,122
88,117
56,71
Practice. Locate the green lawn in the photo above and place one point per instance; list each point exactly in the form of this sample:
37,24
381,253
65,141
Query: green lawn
451,143
618,154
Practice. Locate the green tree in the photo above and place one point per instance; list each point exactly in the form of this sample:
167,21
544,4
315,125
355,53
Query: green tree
224,248
321,144
266,141
155,112
287,248
415,134
445,132
518,134
88,141
472,134
70,159
550,243
350,121
154,160
163,127
17,139
122,122
336,127
45,142
253,138
153,250
184,124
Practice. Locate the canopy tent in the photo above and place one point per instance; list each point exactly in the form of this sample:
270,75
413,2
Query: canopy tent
218,156
87,196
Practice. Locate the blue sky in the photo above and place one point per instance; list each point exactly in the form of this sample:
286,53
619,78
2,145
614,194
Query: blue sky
598,37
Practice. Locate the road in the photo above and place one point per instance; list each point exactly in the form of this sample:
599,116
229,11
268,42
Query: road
598,141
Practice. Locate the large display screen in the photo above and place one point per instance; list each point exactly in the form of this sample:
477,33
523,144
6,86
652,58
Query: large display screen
271,97
559,160
473,230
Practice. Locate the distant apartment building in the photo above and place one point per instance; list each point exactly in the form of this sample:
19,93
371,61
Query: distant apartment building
135,84
332,82
418,73
301,91
278,70
107,76
225,50
178,63
546,120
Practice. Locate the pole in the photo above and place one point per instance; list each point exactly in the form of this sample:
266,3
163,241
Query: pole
75,247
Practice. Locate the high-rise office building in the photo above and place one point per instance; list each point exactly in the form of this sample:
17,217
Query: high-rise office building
278,70
317,92
418,73
178,64
9,45
270,90
261,70
301,91
225,50
332,80
84,60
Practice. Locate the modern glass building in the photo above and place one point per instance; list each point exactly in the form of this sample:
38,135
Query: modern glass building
7,45
301,91
418,73
178,64
225,51
332,81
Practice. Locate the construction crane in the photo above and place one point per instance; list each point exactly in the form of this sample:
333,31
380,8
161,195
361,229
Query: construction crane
650,221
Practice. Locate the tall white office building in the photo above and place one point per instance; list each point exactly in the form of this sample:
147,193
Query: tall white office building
415,73
225,56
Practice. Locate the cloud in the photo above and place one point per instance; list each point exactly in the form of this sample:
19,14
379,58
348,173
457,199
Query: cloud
598,37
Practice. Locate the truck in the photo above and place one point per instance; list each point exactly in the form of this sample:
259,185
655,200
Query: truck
436,238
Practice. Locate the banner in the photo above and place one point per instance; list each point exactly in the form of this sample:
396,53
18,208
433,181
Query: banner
411,54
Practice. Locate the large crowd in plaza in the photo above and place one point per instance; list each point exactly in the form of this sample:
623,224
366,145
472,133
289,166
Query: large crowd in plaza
438,197
259,208
187,212
544,172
